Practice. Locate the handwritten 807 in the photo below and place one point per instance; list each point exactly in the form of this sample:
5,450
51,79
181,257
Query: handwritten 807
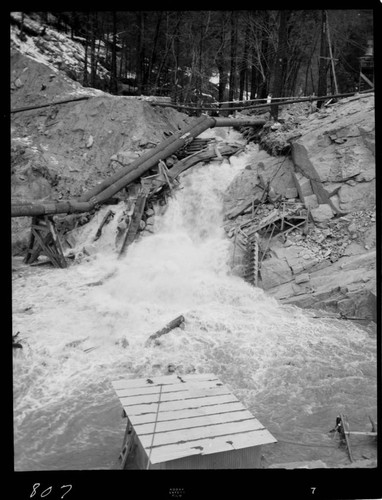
63,490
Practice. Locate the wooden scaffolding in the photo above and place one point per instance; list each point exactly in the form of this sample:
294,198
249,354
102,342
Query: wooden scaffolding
45,240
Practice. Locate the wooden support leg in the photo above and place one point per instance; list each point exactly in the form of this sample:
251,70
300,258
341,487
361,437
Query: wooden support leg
256,260
44,239
128,442
345,431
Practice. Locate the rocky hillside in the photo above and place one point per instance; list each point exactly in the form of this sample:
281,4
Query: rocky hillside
59,151
329,178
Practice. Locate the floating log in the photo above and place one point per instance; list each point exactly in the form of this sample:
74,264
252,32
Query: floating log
170,326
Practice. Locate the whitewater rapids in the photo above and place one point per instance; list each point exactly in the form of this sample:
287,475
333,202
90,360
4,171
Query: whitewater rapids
295,373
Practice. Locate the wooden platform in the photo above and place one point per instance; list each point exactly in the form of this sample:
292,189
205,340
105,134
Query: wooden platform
190,422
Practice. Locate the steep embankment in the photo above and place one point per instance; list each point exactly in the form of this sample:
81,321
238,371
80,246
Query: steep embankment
62,150
330,263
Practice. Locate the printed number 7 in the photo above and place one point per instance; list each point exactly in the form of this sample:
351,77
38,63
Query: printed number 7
313,488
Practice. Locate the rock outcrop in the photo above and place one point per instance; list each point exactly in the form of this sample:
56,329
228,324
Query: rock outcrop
330,263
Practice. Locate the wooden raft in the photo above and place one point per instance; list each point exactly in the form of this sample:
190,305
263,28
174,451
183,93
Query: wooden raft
188,422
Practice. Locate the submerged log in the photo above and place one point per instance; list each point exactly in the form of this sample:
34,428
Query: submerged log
170,326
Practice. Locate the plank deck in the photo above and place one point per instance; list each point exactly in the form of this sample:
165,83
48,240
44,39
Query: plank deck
190,415
208,446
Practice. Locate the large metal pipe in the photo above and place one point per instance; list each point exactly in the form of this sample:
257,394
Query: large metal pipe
108,188
112,189
238,122
156,152
49,208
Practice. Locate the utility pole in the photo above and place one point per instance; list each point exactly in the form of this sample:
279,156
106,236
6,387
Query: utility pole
331,53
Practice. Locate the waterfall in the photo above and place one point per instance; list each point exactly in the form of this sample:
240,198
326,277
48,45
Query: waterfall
294,372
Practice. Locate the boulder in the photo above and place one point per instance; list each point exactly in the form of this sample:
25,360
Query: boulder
339,148
303,185
311,201
302,278
290,193
275,272
357,197
322,213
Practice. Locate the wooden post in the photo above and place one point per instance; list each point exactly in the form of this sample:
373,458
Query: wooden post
345,432
134,225
256,259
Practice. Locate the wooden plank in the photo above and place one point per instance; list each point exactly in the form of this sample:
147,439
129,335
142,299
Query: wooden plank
174,396
154,389
165,416
191,434
211,445
188,423
165,379
177,405
359,433
134,224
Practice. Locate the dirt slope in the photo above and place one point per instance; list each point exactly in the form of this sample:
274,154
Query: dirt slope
60,151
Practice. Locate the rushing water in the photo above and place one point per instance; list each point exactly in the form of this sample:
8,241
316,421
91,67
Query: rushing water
294,372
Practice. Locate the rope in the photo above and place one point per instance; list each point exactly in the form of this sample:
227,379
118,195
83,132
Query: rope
155,426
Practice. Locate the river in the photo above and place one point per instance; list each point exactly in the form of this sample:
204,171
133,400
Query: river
295,373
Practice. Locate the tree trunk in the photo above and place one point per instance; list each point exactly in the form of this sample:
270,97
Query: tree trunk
168,46
140,52
113,78
323,62
92,50
232,75
308,66
220,60
85,82
154,49
244,65
280,61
